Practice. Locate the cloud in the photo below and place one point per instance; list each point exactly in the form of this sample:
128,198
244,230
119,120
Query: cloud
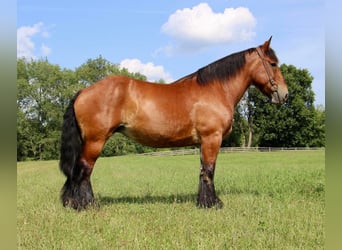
45,50
199,27
26,46
151,71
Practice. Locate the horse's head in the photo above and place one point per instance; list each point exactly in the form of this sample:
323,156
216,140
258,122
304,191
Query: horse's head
267,76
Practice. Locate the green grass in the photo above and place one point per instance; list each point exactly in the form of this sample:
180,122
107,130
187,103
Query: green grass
272,201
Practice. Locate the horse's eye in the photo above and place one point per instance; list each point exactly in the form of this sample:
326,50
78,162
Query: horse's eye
273,64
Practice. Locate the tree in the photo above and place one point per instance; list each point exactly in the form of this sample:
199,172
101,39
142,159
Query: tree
239,134
318,139
41,95
96,69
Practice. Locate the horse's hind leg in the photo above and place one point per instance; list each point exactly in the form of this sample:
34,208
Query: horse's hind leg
77,191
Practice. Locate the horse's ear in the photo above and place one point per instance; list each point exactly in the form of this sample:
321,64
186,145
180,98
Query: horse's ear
266,45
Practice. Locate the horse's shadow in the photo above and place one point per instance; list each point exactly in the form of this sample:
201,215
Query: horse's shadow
147,199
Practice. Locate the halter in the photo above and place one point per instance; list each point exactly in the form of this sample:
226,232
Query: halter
272,81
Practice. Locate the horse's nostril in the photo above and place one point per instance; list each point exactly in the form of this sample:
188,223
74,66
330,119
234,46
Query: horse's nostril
286,96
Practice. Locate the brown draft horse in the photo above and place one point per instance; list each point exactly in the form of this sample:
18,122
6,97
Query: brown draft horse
194,110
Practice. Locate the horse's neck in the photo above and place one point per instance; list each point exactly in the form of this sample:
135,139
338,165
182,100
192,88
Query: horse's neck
237,86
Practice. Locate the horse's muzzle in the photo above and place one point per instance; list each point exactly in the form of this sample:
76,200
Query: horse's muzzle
279,96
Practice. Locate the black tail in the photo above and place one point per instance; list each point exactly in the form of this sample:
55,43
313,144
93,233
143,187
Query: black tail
71,141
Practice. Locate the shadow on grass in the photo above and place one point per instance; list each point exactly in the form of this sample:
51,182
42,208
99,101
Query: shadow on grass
147,199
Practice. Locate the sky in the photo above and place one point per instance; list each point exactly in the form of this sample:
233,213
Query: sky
171,39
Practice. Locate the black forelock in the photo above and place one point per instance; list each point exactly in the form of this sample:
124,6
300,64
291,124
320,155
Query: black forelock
272,55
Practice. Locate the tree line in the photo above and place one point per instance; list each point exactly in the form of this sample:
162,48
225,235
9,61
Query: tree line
44,91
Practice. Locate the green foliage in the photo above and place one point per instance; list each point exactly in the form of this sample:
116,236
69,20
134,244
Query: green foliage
44,91
238,136
271,201
41,100
119,144
96,69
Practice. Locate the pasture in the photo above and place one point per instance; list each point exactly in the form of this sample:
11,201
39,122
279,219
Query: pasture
272,200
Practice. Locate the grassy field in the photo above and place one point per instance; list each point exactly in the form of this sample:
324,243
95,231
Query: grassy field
273,200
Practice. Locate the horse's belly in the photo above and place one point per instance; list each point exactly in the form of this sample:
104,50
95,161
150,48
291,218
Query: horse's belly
161,138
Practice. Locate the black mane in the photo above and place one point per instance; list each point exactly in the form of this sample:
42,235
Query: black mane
222,69
272,55
227,67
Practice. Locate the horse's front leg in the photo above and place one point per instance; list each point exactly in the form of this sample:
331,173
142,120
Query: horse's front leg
207,197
